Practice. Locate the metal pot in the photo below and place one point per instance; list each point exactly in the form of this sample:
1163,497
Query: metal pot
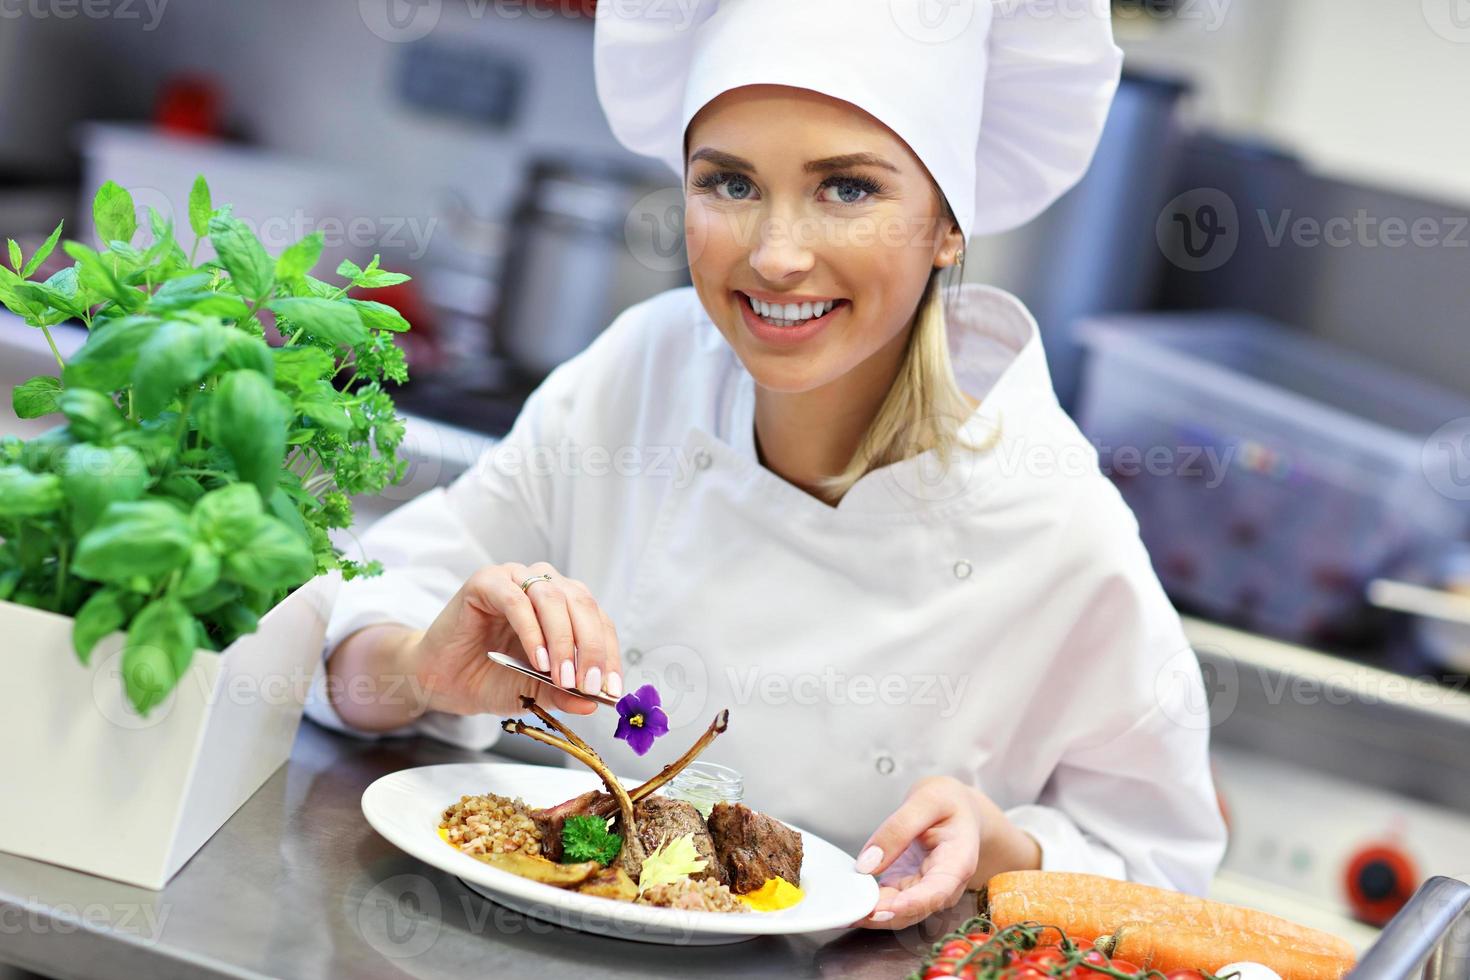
588,238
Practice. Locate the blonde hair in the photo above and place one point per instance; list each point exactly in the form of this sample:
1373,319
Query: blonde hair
924,407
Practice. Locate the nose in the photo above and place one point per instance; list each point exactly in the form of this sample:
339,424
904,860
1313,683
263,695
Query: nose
780,252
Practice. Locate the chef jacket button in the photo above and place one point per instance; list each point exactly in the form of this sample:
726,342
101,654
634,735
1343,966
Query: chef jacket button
962,569
632,655
702,458
884,764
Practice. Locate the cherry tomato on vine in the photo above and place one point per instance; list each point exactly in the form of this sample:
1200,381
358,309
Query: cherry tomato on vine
1044,957
955,948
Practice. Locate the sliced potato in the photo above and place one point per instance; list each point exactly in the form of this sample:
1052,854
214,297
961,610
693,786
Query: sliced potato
540,869
611,883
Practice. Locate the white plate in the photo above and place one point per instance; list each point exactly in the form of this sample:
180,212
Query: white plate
405,807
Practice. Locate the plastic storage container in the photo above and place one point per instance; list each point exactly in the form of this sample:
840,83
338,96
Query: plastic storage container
1272,474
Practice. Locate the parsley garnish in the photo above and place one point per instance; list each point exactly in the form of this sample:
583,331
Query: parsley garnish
586,838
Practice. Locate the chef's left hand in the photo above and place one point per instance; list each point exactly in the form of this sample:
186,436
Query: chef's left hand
946,837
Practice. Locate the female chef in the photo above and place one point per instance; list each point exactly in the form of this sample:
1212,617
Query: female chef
813,488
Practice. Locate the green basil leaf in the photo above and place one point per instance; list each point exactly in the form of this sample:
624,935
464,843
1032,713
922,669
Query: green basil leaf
213,598
299,259
27,494
142,538
42,253
193,293
325,409
100,615
282,506
177,355
372,277
59,292
43,454
247,353
114,214
96,274
380,316
201,572
250,267
94,416
275,557
329,320
105,362
200,207
160,647
94,476
16,262
238,620
185,489
247,417
9,579
36,397
225,517
301,367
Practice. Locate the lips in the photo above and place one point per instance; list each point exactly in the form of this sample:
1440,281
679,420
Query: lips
786,336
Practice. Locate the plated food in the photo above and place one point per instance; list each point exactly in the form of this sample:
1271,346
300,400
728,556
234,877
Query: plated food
632,845
1060,924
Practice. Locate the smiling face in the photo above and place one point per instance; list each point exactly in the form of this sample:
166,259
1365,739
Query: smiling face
796,198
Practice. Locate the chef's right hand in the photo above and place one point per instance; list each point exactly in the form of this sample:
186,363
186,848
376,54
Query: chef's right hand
555,627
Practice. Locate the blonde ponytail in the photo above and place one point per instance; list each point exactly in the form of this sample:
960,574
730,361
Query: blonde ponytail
924,407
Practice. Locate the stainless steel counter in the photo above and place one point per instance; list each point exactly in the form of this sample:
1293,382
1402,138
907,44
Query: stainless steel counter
297,884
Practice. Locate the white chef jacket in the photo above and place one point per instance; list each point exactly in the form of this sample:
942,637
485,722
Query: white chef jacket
997,621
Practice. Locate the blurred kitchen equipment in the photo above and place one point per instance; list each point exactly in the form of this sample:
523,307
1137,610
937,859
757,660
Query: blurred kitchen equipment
1347,785
1273,474
1426,938
589,237
1439,617
1094,251
190,104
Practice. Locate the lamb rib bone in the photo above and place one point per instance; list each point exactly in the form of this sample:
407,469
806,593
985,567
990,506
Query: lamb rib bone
653,785
589,759
530,704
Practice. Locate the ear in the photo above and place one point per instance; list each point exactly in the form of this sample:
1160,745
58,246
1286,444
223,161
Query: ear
951,244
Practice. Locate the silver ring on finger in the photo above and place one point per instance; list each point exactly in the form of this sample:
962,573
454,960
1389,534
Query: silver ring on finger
532,580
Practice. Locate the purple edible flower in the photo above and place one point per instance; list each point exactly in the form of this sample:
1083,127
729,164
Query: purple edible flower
641,720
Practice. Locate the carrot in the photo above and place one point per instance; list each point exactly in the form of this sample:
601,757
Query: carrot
1089,907
1166,946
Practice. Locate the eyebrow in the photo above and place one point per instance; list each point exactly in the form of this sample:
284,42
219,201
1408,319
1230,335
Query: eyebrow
722,159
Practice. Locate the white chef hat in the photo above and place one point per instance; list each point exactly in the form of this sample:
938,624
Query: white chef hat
1002,100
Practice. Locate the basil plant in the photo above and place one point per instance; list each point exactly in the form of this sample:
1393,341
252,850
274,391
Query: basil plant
194,470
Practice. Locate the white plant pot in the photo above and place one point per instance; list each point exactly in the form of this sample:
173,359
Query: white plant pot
106,791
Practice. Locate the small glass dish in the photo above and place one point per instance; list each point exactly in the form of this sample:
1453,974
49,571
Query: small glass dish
703,784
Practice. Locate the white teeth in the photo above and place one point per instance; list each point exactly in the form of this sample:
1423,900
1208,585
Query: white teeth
787,314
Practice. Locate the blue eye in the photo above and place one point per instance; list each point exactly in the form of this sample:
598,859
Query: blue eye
726,179
860,184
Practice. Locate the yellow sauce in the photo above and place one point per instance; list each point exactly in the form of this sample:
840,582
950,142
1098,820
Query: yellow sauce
774,895
444,834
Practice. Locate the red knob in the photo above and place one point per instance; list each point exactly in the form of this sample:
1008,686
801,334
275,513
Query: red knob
1379,880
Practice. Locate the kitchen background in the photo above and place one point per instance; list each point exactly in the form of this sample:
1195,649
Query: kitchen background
1266,276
